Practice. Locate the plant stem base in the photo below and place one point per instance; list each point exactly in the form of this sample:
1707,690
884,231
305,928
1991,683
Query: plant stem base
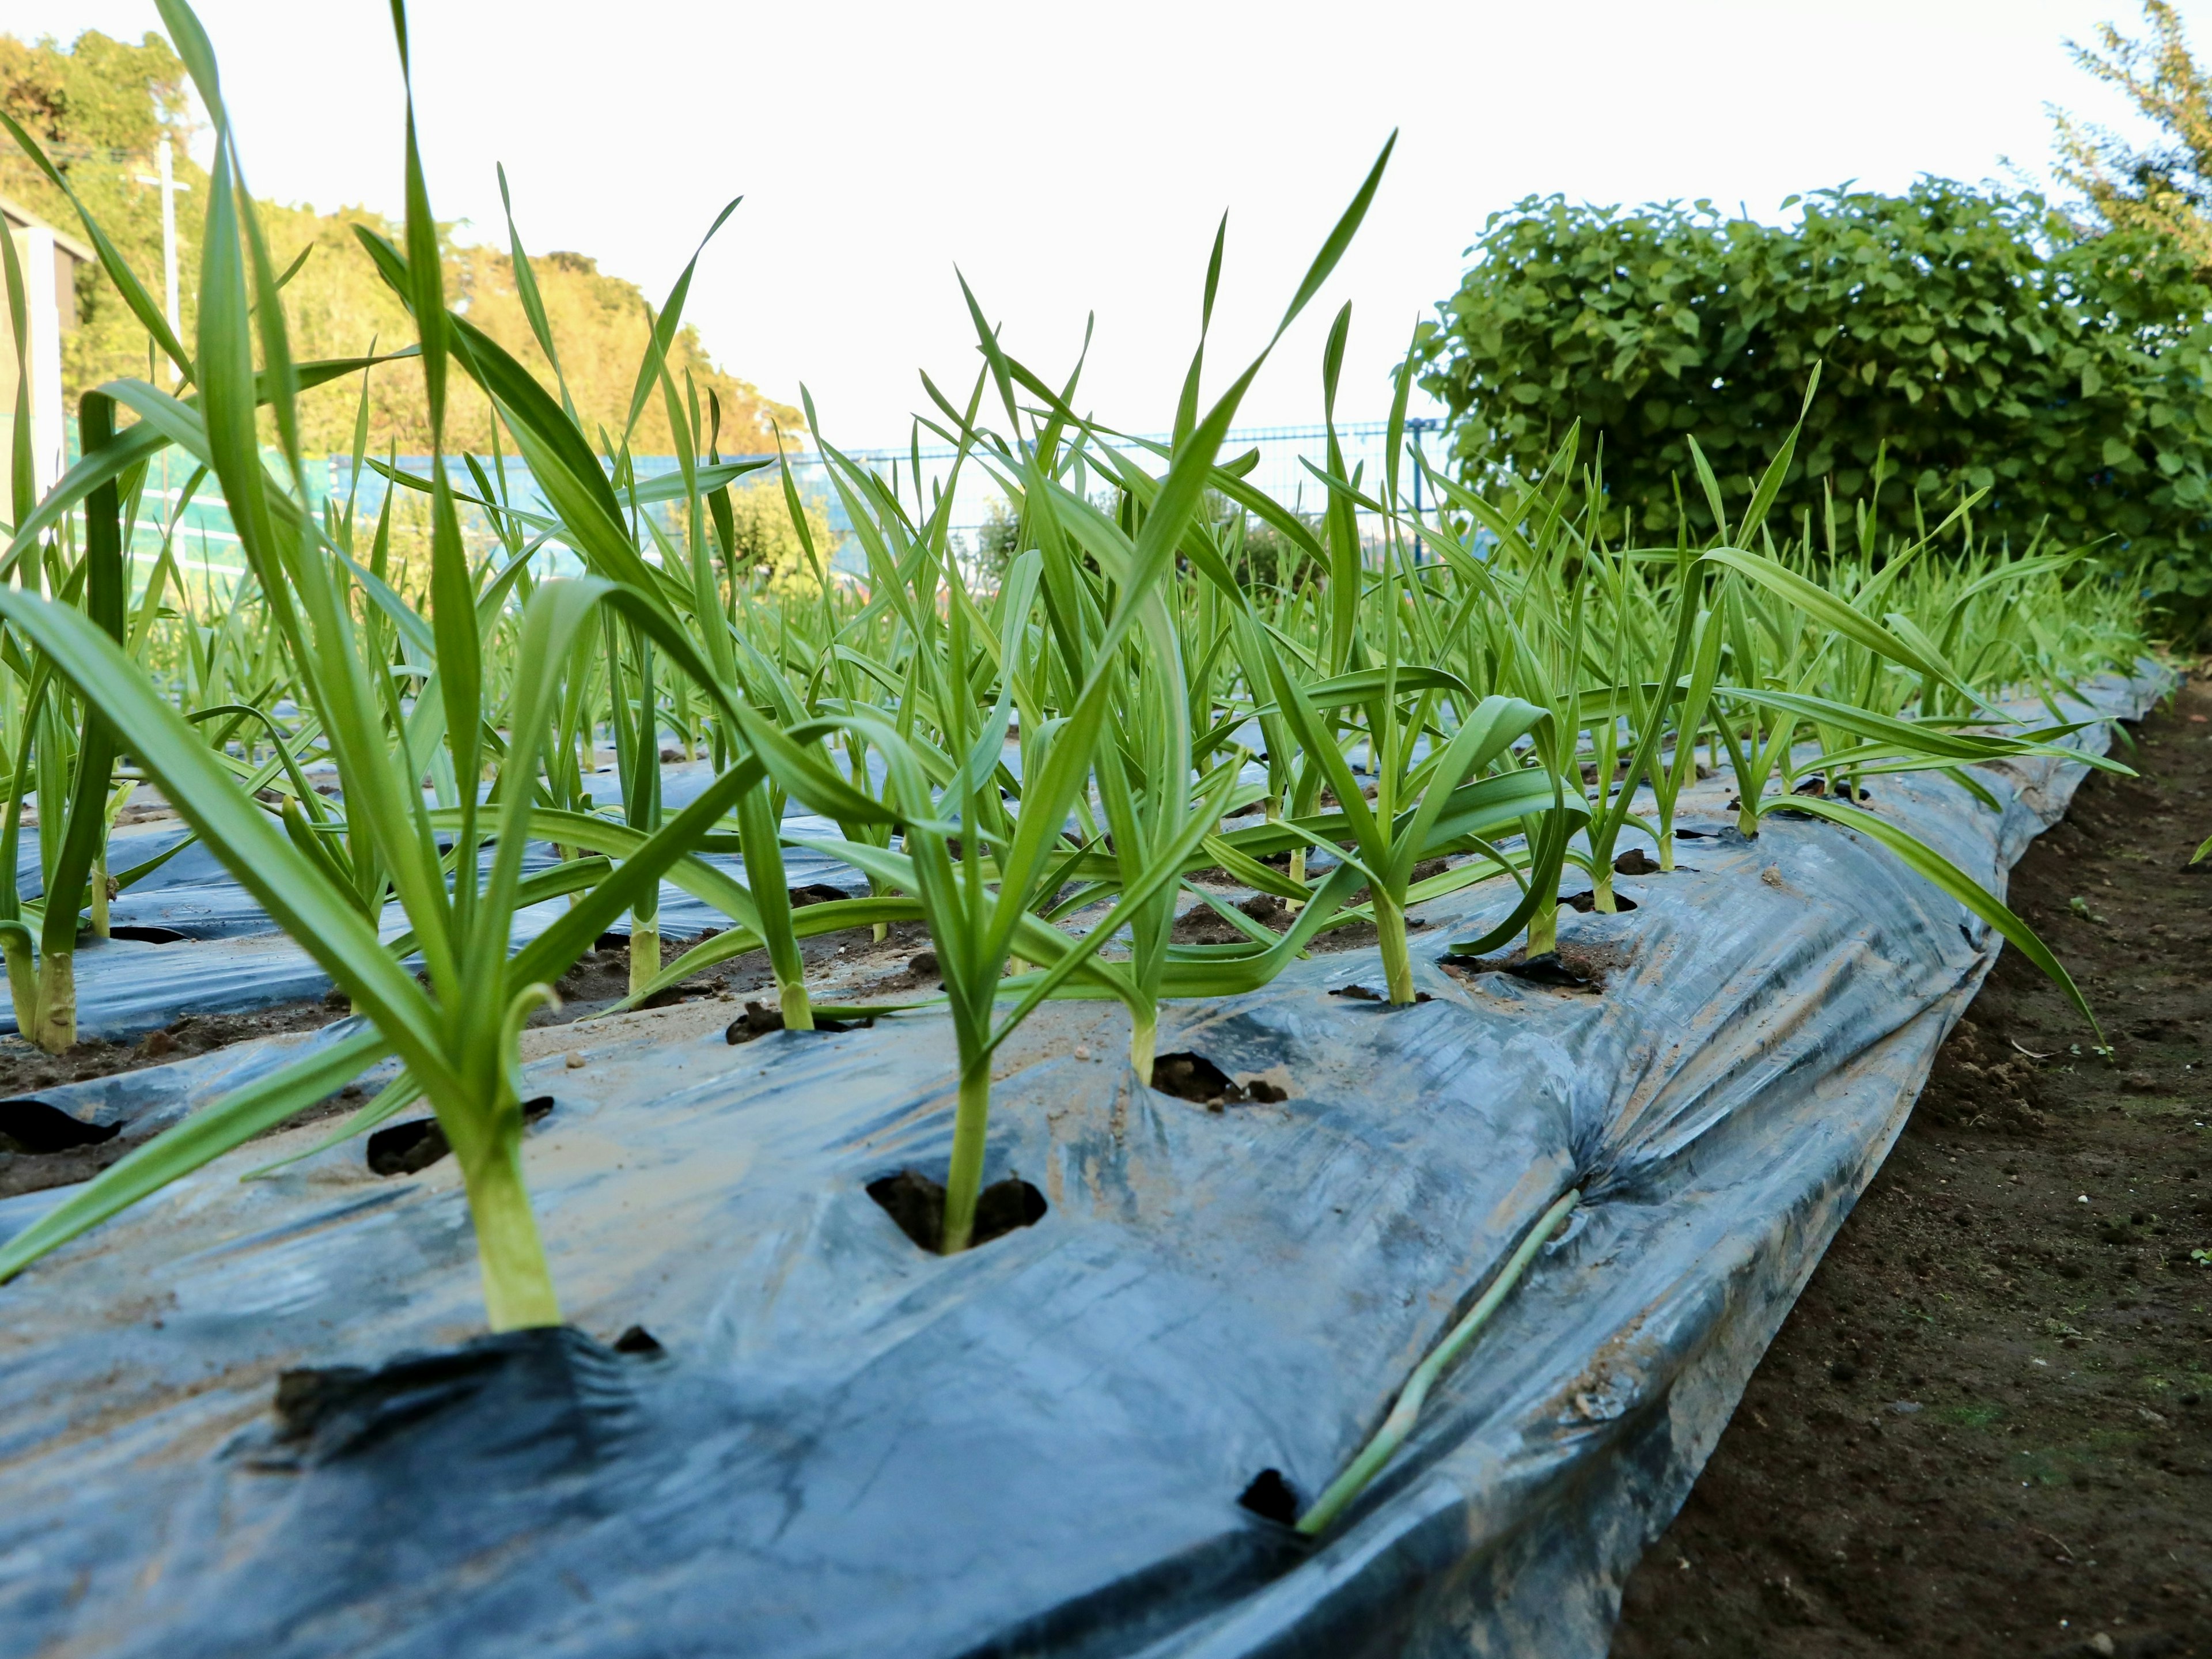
518,1287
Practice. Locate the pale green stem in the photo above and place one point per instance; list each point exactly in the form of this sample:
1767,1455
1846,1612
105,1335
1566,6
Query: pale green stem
518,1287
1666,848
644,953
1397,964
1544,930
98,885
1601,891
1144,1041
1297,875
798,1011
1378,1451
964,1183
56,1017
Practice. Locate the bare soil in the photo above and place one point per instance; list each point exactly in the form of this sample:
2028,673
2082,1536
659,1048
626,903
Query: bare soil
1986,1427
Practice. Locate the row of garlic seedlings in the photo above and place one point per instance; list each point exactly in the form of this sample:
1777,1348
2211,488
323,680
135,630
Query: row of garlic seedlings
1034,769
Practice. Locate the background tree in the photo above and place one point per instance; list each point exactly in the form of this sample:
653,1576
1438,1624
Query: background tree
765,543
101,106
2166,189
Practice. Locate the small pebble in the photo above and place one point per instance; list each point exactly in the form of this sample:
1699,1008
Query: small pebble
575,1061
1081,1052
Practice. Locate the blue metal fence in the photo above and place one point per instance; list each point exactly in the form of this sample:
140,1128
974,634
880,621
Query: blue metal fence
205,542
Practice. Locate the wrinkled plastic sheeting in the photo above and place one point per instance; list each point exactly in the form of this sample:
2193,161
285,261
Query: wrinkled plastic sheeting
188,940
127,987
190,895
851,1446
140,1104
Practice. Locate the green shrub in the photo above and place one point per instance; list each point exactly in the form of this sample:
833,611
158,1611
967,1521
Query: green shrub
1966,341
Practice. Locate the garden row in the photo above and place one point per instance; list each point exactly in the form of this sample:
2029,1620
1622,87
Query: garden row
1455,720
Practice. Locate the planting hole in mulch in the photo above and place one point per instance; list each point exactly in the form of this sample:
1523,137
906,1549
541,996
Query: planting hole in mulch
1194,1077
147,934
917,1204
411,1147
1638,862
1369,993
1585,902
34,1126
1817,788
38,1152
1817,785
1568,969
639,1340
1548,967
1271,1497
759,1020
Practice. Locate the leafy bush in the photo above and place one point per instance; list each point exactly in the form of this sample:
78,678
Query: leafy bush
764,541
1265,558
1966,341
998,538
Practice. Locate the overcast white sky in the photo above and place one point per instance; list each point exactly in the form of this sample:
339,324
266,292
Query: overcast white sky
1075,158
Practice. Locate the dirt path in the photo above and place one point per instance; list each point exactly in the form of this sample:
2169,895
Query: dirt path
1987,1426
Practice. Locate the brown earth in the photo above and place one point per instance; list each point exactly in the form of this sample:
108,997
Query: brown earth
1986,1427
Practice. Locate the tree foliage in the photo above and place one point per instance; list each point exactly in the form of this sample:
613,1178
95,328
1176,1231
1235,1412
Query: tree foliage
101,106
1966,340
765,544
102,109
2166,189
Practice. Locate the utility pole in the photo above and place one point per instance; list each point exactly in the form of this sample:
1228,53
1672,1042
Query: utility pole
166,183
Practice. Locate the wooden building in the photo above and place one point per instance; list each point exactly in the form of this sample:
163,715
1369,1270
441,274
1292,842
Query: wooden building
49,260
